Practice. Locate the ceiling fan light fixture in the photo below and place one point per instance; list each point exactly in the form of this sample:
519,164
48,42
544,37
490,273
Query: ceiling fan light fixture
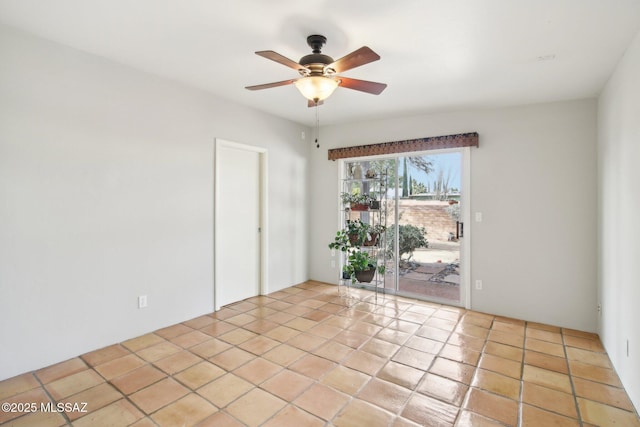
316,88
319,72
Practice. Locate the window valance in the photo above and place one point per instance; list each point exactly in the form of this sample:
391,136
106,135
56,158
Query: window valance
420,144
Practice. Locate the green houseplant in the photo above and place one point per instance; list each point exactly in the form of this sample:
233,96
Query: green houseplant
374,203
361,266
356,202
357,231
356,234
373,234
341,241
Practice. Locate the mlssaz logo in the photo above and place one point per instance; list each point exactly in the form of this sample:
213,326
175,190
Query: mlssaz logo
63,407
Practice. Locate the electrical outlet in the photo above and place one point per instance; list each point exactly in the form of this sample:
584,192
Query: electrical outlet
479,285
333,263
600,309
142,301
478,216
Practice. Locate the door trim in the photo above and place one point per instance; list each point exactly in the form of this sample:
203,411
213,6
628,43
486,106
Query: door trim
263,209
465,256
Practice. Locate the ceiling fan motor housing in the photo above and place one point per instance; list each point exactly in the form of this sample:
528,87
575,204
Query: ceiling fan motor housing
316,42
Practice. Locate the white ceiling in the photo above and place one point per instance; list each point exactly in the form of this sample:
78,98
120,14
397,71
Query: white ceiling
436,55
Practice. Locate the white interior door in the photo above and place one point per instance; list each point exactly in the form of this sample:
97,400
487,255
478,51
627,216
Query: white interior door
237,223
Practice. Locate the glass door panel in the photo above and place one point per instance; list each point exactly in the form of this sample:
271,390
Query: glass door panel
424,233
421,210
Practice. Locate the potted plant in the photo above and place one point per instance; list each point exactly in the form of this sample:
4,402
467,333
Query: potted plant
356,202
362,267
374,203
357,231
363,234
373,234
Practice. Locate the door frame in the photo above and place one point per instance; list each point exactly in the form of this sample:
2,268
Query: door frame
263,247
465,247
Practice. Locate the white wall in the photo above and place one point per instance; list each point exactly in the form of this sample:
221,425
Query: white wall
106,193
533,176
619,210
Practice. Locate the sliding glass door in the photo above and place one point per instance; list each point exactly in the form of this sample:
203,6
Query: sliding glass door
424,216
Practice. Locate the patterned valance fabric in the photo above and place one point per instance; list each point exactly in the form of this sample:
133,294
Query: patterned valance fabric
421,144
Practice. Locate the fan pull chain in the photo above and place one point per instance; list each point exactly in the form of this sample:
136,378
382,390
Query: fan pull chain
317,126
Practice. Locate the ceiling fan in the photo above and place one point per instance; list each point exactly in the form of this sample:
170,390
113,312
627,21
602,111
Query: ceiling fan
320,72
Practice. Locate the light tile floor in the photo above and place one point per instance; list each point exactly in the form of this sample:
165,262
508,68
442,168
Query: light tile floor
314,355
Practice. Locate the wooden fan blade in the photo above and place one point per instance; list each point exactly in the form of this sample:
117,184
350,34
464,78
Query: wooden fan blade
269,85
275,56
359,57
362,85
313,104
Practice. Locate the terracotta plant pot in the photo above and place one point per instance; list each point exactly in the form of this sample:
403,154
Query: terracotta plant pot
359,207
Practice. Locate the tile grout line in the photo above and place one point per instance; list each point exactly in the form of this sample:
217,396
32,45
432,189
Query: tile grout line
167,375
459,412
414,390
313,383
356,301
64,414
570,375
288,402
127,396
352,397
484,346
522,363
482,352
